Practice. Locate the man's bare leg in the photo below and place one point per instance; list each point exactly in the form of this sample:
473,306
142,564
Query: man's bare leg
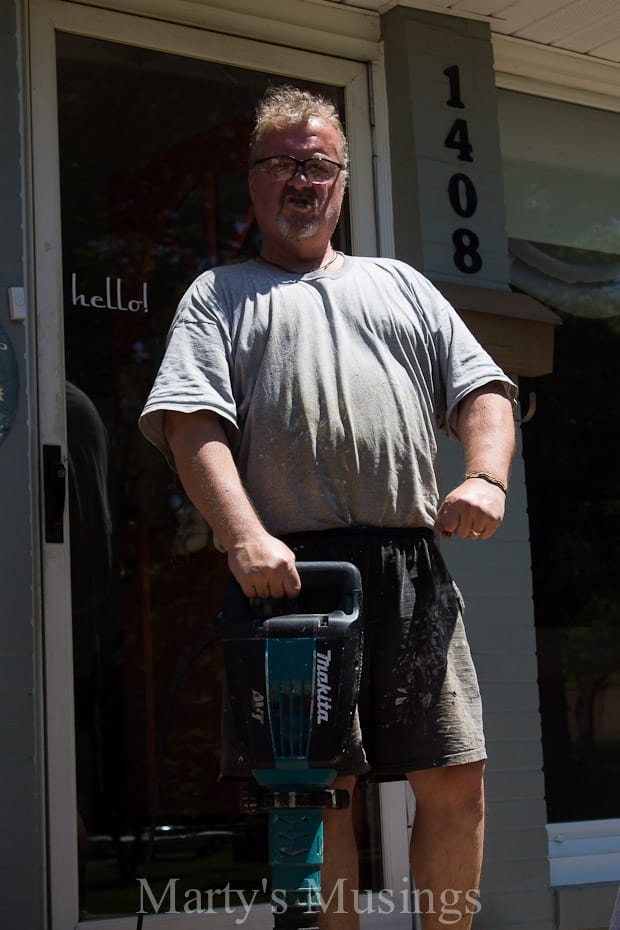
446,845
339,873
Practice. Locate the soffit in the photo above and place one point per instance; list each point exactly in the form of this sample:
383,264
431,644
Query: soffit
585,27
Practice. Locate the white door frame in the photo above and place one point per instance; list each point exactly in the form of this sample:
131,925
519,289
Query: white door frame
371,234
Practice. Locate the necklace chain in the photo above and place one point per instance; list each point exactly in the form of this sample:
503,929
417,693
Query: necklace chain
321,268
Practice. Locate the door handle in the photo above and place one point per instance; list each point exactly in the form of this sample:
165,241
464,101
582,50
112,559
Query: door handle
54,493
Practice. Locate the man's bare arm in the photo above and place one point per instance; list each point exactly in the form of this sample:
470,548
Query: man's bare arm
487,433
263,565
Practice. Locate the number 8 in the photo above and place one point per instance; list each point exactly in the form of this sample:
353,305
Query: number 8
466,256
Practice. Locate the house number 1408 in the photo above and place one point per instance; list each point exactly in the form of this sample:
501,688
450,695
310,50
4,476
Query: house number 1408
461,190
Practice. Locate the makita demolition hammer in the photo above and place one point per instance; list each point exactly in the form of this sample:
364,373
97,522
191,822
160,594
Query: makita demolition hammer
293,670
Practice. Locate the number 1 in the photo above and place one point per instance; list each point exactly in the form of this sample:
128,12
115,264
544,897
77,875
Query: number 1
453,75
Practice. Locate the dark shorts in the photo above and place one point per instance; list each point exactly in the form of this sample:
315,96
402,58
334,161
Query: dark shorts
419,704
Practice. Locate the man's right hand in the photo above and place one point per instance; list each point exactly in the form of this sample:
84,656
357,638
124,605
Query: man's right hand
264,567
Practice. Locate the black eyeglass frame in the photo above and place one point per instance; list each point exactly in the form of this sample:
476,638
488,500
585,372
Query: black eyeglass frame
301,163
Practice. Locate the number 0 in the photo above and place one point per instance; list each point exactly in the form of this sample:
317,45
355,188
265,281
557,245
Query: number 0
462,194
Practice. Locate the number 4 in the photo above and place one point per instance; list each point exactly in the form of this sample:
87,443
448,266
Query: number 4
458,138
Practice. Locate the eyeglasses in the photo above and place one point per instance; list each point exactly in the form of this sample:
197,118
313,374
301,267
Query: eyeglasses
317,170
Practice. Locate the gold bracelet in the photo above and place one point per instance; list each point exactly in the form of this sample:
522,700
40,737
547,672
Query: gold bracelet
486,477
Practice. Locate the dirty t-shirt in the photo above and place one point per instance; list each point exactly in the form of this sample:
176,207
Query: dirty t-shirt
331,386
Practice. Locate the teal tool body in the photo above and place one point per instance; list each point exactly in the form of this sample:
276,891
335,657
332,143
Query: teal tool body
293,670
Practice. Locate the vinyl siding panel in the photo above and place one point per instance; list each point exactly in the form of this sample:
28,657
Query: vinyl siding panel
495,579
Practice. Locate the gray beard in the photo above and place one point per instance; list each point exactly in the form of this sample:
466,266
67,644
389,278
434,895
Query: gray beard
295,230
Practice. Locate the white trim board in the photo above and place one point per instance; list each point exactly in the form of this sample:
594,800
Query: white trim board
584,852
328,28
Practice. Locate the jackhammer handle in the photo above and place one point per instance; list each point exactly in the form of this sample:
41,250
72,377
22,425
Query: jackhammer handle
327,586
346,572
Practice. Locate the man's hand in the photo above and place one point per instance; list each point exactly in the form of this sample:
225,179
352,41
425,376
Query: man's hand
264,567
473,510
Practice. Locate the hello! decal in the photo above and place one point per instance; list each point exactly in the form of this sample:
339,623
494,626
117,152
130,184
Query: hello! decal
113,296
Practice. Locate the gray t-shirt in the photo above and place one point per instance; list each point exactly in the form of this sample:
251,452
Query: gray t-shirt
331,385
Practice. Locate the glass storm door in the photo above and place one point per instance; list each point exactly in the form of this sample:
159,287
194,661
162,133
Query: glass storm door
152,168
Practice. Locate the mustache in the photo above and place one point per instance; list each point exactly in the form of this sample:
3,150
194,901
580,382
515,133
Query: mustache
308,195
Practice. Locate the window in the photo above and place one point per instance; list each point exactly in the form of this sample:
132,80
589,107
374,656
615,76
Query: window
573,488
563,215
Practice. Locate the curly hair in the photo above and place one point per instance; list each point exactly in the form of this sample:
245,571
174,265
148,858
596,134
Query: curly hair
284,105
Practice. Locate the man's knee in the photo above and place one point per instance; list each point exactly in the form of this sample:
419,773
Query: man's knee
457,788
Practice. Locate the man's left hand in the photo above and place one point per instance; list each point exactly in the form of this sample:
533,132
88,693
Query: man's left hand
473,510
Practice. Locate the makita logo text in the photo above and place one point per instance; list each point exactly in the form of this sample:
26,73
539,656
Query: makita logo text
323,688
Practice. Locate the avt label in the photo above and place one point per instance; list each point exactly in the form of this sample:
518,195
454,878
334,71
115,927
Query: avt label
258,706
323,688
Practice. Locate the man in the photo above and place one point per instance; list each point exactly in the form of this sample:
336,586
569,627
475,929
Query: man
298,400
